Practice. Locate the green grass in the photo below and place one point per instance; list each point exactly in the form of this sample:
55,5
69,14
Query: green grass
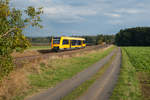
84,86
65,68
128,86
60,69
39,47
139,57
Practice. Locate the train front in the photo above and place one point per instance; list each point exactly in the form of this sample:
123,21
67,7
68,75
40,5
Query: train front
55,43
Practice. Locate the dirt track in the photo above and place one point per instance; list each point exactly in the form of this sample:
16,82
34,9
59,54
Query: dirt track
99,90
102,88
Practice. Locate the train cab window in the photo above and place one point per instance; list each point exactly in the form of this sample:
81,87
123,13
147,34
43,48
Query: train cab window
56,40
83,41
65,42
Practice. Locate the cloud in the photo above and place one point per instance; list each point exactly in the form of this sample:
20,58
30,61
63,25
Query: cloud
43,2
68,10
115,22
129,11
114,15
68,13
34,1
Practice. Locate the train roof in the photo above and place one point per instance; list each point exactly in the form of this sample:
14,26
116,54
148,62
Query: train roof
72,38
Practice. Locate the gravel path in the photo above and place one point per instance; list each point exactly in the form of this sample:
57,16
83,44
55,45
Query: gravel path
67,86
102,88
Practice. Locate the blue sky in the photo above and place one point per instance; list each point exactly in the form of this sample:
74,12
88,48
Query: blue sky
87,17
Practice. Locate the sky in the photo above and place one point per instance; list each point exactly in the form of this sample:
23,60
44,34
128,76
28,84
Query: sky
86,17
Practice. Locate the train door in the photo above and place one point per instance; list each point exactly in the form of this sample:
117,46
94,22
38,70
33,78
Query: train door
82,43
52,42
66,43
70,43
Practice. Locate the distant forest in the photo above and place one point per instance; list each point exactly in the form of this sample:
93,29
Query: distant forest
90,40
139,36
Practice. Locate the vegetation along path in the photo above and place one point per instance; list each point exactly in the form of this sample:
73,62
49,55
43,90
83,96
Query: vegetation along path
69,85
102,87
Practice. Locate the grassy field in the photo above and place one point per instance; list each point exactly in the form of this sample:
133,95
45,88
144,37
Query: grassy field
55,71
139,57
134,80
31,51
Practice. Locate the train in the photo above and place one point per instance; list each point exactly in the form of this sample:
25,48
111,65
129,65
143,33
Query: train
63,43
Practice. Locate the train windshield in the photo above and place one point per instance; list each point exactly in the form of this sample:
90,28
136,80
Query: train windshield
56,40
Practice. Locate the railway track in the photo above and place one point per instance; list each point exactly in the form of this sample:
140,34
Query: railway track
20,61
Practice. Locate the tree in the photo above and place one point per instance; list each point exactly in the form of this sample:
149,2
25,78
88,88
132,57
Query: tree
108,39
11,32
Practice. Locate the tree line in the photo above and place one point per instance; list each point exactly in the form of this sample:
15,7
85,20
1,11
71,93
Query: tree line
90,40
138,36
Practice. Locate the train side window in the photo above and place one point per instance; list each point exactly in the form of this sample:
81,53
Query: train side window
79,42
65,42
73,42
